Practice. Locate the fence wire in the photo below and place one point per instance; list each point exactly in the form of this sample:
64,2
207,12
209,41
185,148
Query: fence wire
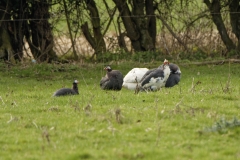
202,38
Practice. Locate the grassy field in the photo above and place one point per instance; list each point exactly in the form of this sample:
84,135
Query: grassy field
198,119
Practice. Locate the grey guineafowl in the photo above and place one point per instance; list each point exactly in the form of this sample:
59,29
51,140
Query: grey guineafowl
155,79
67,91
175,75
113,80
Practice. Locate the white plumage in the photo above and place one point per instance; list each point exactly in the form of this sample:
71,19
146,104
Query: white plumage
133,77
141,74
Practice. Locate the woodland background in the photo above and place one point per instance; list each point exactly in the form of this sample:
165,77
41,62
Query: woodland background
103,30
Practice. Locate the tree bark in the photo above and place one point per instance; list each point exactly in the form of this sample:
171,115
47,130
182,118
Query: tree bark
151,21
139,26
42,37
96,41
235,19
141,22
129,25
26,20
215,8
88,36
6,50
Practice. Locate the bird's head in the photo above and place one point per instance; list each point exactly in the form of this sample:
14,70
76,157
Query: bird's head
165,62
75,81
108,68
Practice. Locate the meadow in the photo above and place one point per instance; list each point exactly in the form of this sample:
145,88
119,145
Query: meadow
197,119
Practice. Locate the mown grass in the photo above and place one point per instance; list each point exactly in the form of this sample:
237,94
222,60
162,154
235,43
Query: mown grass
168,124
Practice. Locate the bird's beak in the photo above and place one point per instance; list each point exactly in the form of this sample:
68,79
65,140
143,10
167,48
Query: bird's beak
178,71
165,62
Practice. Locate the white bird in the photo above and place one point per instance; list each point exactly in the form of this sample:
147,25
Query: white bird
133,77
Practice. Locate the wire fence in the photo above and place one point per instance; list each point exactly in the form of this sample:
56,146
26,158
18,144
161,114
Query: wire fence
201,39
105,17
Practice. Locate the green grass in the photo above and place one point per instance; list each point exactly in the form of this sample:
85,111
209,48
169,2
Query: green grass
168,124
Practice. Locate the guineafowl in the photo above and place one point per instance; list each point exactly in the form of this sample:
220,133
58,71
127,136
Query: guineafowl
133,77
174,77
113,80
67,91
155,79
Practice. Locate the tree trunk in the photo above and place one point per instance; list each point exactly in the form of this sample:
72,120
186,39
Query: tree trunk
41,33
151,21
137,23
88,36
214,9
141,22
6,50
16,27
129,25
96,40
235,19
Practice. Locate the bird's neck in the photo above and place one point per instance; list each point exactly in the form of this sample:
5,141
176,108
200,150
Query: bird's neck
75,87
166,71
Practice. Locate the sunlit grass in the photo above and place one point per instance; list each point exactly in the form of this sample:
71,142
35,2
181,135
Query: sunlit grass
97,124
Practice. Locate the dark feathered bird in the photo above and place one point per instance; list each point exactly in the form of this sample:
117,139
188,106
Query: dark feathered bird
113,79
68,91
155,79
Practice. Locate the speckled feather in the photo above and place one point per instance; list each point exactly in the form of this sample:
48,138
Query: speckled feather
113,80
